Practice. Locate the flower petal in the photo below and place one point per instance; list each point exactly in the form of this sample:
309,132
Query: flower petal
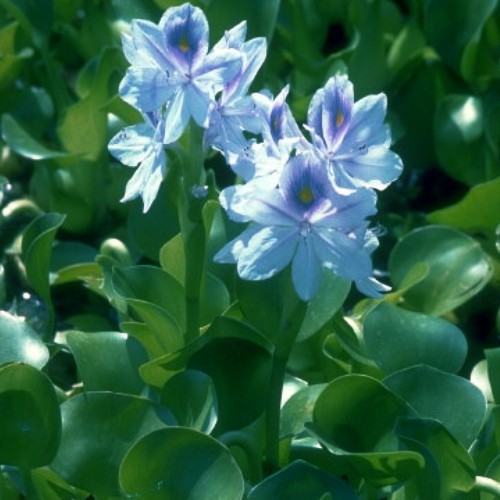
372,287
306,270
268,252
147,89
186,36
230,253
132,144
176,117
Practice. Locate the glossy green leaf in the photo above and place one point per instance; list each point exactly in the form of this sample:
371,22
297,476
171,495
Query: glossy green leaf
240,371
302,481
37,243
20,342
98,430
178,464
449,470
50,486
451,24
108,361
493,360
20,141
459,405
152,284
479,377
331,295
397,339
30,420
34,17
354,417
298,410
477,212
461,146
458,268
190,396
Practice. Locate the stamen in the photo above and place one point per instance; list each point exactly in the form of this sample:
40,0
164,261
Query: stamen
306,195
339,119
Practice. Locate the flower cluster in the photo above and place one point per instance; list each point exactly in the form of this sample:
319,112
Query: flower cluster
305,196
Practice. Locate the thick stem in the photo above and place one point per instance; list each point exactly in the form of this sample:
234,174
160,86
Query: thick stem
293,315
192,229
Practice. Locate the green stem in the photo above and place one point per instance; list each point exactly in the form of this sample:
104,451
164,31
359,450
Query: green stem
192,229
291,321
488,485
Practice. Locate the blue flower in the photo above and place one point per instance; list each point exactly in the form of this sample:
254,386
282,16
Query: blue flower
235,111
142,145
173,71
352,136
305,221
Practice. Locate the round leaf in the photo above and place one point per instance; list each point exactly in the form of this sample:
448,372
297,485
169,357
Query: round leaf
302,481
459,405
458,268
180,464
98,429
190,395
397,339
20,342
108,361
30,420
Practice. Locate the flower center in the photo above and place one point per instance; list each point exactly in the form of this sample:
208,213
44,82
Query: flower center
306,195
339,119
184,44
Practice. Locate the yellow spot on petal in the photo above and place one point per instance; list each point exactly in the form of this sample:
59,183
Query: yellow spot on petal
306,195
184,45
339,119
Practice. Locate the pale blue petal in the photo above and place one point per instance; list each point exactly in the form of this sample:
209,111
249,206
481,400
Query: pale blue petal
176,117
217,69
146,45
132,144
233,38
306,270
342,253
268,252
315,111
147,89
186,36
198,103
151,188
375,169
230,253
371,287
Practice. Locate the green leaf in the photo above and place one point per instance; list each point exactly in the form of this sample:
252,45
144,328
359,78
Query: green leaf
261,16
450,25
20,342
354,418
240,371
50,486
24,145
152,284
30,420
461,145
190,396
108,361
458,268
98,430
34,16
180,463
36,248
298,410
330,298
476,213
493,360
449,394
85,118
302,481
449,470
398,339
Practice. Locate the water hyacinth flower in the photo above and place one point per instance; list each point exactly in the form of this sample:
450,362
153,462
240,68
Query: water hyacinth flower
352,137
305,221
172,69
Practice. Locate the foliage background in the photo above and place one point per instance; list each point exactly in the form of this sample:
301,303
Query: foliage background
82,269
